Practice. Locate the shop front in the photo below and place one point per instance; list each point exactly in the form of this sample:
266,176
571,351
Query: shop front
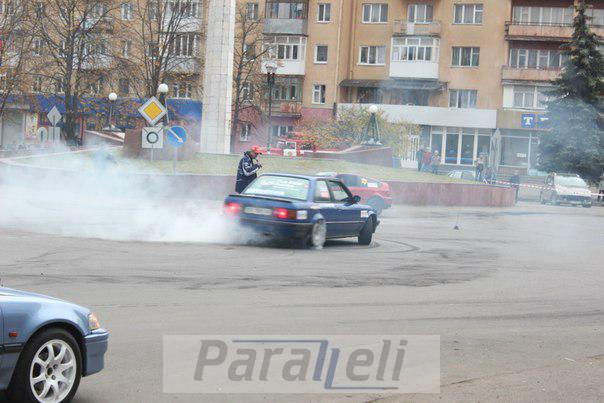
457,145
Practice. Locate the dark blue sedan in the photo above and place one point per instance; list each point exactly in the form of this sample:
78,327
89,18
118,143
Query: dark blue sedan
305,209
46,346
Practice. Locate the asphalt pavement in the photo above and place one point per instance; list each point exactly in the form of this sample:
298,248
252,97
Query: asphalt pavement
517,296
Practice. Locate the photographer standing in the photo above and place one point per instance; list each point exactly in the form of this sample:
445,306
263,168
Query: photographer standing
247,169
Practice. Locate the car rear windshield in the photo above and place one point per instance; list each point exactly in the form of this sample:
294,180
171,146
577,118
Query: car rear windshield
570,181
279,186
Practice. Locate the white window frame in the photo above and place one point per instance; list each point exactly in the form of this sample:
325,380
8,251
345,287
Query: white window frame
381,9
252,11
475,11
317,61
420,9
463,97
324,13
126,11
244,134
246,91
474,51
184,45
126,48
404,49
555,16
178,88
282,47
523,57
318,94
376,49
37,46
531,99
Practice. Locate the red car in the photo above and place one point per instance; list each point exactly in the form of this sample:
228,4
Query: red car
372,192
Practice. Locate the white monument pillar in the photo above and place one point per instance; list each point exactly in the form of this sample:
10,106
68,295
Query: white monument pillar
218,78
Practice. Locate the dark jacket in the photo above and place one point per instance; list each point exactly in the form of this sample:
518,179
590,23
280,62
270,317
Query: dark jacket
246,172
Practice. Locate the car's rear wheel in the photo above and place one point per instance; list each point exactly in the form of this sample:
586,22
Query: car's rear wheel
318,235
366,234
49,369
377,204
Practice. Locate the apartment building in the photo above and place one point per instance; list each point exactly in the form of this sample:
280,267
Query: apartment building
464,70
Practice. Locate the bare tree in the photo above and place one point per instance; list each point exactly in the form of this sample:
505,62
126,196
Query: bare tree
73,37
161,42
248,81
15,47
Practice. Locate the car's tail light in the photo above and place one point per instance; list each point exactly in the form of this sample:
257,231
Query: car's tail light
284,214
233,208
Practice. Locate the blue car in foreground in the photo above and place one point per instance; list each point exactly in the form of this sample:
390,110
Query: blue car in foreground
305,209
46,346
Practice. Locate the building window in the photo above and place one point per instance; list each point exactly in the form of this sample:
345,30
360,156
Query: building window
126,47
98,10
286,10
415,49
96,87
318,94
244,134
462,98
287,89
153,10
537,59
124,86
529,97
37,45
184,45
37,84
324,12
287,47
184,9
281,130
542,15
465,57
126,11
370,95
251,11
375,55
468,14
246,91
182,90
420,13
595,16
321,54
59,86
249,51
375,13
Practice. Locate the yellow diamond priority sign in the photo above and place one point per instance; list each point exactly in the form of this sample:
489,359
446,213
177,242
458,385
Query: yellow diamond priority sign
153,111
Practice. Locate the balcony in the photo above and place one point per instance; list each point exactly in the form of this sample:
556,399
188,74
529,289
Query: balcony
435,116
414,69
185,65
522,74
285,109
405,28
288,67
286,26
534,32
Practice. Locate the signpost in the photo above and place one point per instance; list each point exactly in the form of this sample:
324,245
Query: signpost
177,137
42,134
153,111
528,120
152,137
54,117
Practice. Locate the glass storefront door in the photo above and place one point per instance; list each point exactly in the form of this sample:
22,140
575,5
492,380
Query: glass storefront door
467,149
452,147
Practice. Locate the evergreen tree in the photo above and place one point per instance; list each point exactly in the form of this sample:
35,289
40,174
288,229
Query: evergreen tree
575,142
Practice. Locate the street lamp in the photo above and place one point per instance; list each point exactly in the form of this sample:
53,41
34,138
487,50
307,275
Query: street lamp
271,69
372,132
112,98
163,91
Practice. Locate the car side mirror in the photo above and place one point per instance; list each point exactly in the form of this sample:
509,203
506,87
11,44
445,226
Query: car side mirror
356,199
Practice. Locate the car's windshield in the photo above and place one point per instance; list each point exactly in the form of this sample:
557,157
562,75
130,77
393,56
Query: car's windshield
570,181
279,186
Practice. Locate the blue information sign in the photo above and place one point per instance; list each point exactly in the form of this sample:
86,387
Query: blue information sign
528,120
176,136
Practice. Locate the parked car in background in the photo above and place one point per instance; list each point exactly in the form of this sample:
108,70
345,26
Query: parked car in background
566,189
463,174
46,346
372,192
304,209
